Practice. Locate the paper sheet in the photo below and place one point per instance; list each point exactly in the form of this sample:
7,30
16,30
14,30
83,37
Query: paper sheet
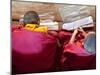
78,23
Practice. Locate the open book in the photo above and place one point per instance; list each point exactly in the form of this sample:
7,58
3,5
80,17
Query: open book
84,22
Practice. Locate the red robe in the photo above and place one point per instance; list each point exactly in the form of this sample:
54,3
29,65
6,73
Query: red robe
76,58
32,51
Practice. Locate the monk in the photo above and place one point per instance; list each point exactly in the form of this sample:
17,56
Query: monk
79,53
33,50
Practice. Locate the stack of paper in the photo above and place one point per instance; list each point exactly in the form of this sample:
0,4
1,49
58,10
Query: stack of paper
51,25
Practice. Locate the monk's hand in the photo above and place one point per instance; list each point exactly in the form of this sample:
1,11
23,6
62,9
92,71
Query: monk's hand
81,29
75,31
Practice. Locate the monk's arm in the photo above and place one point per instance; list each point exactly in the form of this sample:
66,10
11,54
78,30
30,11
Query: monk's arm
73,36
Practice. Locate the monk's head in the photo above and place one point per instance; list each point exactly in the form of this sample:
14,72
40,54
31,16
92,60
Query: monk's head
31,17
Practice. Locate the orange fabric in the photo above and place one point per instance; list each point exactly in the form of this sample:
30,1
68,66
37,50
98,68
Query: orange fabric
79,44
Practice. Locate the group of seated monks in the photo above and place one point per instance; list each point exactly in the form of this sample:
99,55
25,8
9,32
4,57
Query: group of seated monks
36,49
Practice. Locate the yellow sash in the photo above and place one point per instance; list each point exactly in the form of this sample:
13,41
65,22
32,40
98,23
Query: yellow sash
35,27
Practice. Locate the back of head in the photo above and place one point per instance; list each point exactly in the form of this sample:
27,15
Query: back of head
31,17
90,42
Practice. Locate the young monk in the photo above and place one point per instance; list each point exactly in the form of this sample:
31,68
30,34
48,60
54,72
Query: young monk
80,53
33,50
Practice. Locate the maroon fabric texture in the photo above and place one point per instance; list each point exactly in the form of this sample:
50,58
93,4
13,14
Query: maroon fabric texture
77,58
64,36
32,51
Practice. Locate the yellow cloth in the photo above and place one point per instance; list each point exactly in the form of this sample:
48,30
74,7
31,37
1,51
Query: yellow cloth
35,27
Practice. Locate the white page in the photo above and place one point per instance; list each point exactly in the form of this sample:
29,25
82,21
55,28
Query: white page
82,22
